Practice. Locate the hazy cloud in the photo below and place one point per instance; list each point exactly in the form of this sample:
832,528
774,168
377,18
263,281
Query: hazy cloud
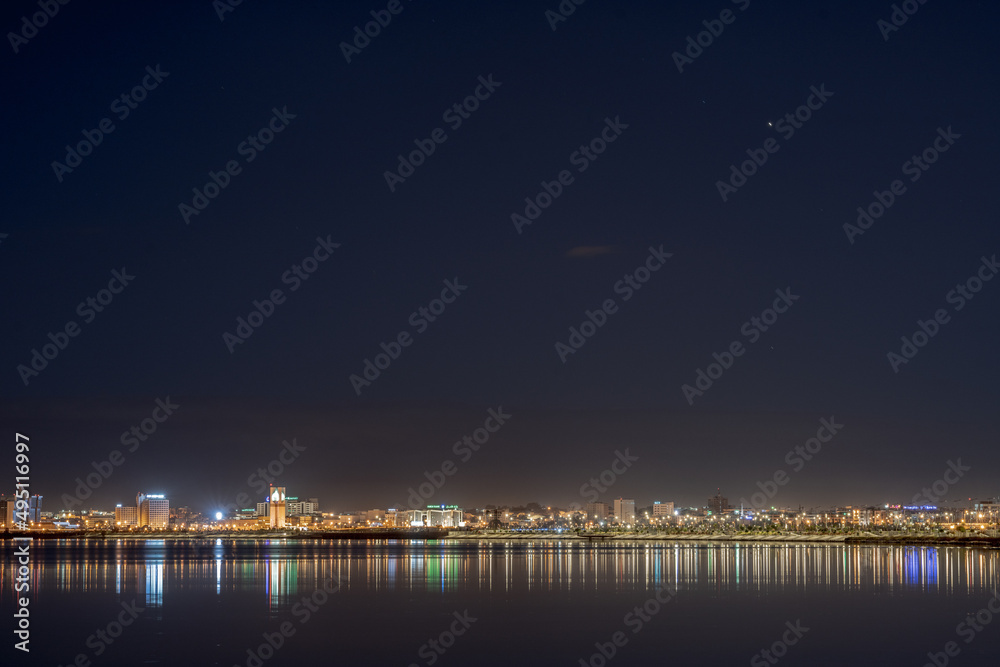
588,251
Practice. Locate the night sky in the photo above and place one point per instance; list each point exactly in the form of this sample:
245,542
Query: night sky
388,247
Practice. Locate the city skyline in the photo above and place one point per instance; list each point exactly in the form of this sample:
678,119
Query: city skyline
622,514
847,466
715,505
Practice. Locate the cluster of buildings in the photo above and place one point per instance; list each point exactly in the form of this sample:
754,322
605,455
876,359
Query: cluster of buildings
152,510
278,511
622,511
8,505
983,514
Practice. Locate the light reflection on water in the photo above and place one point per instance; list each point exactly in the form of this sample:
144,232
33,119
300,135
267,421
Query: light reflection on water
283,570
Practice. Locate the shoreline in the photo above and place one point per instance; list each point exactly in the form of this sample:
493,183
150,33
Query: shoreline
588,538
861,538
793,538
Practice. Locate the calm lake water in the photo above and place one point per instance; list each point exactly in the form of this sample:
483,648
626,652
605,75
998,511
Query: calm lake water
502,603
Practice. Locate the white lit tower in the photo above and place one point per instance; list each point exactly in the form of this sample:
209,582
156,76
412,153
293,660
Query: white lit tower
276,512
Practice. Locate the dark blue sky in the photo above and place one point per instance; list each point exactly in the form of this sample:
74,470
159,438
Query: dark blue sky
322,176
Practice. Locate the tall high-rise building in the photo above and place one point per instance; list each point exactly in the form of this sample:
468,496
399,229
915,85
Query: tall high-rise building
126,515
7,505
625,511
35,509
276,511
154,510
718,504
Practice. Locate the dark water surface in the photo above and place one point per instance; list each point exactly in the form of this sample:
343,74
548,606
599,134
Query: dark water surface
533,603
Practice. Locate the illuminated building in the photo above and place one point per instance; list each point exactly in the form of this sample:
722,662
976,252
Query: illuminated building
445,516
987,510
126,515
35,509
154,510
276,511
442,516
625,511
661,510
294,507
7,511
